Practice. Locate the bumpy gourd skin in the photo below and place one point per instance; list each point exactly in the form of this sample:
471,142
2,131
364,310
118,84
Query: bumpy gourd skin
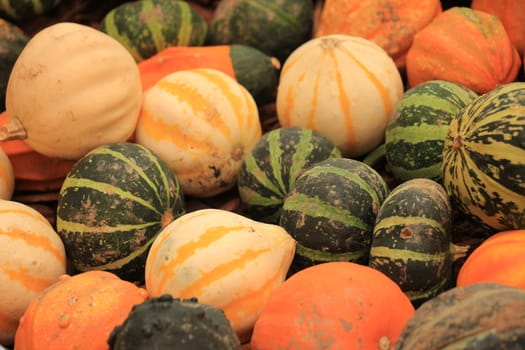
171,323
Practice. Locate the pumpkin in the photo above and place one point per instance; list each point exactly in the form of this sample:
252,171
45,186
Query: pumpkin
32,257
7,177
390,24
510,12
112,205
63,70
465,46
481,316
484,159
223,259
146,27
26,9
201,122
253,69
334,305
347,96
498,259
77,312
150,326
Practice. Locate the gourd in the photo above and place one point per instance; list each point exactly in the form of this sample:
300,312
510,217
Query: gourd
347,96
165,322
484,159
32,257
7,177
147,27
270,169
418,126
465,46
497,259
480,316
63,119
223,259
111,206
334,305
390,24
26,9
201,122
77,312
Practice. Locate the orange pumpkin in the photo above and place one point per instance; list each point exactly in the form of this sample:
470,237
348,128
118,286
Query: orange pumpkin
497,259
391,24
465,46
77,312
511,13
335,305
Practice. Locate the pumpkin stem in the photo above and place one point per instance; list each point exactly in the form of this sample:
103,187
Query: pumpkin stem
457,142
375,156
459,251
13,130
384,343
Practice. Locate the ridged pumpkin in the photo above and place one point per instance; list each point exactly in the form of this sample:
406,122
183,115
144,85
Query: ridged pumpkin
334,305
465,46
84,89
201,122
497,259
347,95
77,312
511,13
32,257
390,24
223,259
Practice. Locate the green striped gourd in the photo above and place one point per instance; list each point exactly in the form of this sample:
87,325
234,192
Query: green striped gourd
146,27
484,158
275,27
412,241
418,126
26,9
269,171
331,211
112,205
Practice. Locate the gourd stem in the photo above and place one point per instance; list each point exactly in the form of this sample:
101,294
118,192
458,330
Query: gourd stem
375,156
459,251
13,130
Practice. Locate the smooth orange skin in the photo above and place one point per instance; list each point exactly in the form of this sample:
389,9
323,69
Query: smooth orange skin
77,312
335,305
499,259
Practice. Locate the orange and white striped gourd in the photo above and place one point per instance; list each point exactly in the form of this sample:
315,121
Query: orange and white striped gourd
201,122
32,257
224,259
342,86
7,176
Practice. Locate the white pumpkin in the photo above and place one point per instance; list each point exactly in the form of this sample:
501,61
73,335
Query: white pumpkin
224,259
342,86
73,88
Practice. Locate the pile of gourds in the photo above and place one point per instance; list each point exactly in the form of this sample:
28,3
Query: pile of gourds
261,172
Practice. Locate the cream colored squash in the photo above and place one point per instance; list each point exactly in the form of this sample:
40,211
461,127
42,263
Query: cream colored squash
7,176
73,88
224,259
201,122
32,257
342,86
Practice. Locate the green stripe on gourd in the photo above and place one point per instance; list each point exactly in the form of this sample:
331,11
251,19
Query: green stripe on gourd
411,241
484,159
111,206
146,27
26,9
274,163
331,211
417,128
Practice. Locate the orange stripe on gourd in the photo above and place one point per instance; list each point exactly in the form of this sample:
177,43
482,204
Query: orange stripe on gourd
23,211
34,240
344,101
25,278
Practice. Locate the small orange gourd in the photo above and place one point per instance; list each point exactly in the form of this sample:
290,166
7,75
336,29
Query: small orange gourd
77,312
335,305
497,259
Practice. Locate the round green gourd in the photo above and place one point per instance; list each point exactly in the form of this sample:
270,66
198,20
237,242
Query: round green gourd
26,9
170,323
275,27
112,205
412,241
481,316
418,126
145,27
269,171
484,159
331,211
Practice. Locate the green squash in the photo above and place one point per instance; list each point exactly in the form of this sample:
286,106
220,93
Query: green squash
26,9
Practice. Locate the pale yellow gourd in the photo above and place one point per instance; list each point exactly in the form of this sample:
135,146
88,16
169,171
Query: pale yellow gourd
7,176
71,89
